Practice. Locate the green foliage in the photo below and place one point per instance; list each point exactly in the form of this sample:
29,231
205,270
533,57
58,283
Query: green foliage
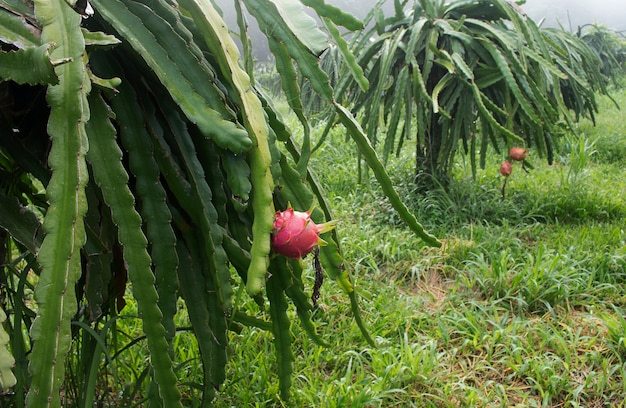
7,378
610,45
144,182
467,75
521,306
139,163
608,144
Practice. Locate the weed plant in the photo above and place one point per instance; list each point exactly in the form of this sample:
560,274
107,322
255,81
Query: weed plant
523,306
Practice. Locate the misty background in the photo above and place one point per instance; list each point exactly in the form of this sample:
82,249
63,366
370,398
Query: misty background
569,14
611,13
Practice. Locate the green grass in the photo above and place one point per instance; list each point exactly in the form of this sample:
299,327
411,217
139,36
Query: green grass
521,307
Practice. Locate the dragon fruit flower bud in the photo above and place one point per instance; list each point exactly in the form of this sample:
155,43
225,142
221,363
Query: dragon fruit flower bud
295,234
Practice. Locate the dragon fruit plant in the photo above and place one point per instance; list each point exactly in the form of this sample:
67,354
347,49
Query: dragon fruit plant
162,166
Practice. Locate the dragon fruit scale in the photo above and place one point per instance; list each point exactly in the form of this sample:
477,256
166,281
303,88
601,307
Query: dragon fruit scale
295,234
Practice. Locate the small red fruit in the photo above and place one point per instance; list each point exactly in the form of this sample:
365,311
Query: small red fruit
295,234
506,168
518,153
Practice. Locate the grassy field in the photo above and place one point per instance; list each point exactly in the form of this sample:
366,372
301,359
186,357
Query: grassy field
522,306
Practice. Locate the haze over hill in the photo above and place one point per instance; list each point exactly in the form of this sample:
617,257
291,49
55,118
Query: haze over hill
567,13
611,13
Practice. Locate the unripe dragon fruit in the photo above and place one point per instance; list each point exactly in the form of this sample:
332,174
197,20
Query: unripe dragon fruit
506,168
295,234
518,153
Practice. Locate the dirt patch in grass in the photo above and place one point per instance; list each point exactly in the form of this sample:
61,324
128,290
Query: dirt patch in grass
432,286
435,281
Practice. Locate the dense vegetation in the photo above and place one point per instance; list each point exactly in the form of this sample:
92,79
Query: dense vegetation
140,168
136,154
521,307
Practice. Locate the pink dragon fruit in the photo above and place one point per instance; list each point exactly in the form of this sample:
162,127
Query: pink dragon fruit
506,168
295,234
518,153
